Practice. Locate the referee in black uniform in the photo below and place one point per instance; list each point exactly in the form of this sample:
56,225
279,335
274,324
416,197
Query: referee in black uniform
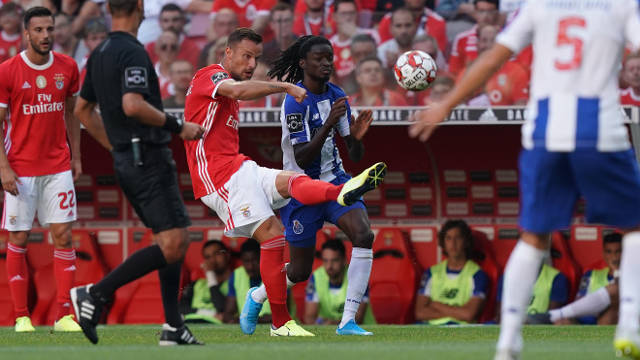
121,79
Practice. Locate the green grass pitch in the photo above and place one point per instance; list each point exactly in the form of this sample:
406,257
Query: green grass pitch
389,342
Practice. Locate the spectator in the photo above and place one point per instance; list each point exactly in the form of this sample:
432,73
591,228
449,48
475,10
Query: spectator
167,51
89,9
426,21
222,25
327,289
95,32
27,4
180,73
452,291
149,30
251,14
440,87
173,18
371,80
314,21
362,46
403,29
464,49
597,298
242,279
458,14
11,36
281,24
510,85
64,41
631,76
216,52
345,15
550,291
270,101
205,299
428,44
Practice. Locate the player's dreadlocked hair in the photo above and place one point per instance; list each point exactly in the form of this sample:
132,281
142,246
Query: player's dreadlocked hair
287,66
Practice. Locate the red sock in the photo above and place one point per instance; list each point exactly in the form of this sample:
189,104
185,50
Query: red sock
18,278
275,278
64,267
310,192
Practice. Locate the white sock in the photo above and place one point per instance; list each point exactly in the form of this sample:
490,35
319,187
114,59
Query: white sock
519,277
358,277
629,284
260,295
589,305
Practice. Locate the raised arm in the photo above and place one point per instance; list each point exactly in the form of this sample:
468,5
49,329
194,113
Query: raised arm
254,89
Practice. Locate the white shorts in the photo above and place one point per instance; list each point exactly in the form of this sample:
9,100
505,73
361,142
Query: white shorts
53,197
247,199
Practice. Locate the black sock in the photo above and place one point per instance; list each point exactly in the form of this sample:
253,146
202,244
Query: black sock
169,286
135,266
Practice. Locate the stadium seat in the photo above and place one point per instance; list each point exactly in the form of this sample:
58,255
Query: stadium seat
506,238
425,244
394,278
586,244
484,256
563,261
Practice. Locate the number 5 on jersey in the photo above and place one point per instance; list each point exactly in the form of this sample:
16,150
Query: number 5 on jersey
566,39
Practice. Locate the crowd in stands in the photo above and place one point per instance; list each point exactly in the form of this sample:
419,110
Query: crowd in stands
367,36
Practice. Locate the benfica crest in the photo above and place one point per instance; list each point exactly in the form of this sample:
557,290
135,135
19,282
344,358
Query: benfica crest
59,79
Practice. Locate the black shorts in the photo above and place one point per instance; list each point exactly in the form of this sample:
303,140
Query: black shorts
152,189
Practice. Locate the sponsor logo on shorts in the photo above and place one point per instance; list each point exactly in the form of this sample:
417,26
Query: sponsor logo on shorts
246,212
297,227
294,123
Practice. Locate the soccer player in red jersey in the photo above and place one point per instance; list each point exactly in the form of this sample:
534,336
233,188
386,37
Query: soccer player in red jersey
37,166
242,193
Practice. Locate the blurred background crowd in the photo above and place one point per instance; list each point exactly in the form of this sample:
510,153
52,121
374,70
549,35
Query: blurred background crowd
182,36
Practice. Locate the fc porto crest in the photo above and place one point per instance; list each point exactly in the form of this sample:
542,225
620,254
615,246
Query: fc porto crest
59,79
297,227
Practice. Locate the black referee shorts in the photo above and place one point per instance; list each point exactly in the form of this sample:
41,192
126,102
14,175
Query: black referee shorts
152,189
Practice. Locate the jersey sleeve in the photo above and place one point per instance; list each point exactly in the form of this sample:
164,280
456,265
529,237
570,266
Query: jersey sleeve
5,86
518,35
345,121
74,85
560,289
425,284
296,118
456,62
311,293
135,72
480,284
632,25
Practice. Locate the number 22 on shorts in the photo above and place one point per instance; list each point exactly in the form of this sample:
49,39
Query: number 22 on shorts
67,199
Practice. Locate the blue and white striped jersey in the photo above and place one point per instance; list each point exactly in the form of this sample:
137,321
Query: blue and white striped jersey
301,121
577,47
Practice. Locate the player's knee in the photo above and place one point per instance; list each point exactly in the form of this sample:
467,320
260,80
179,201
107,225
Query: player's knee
612,289
19,238
61,236
363,239
174,245
298,274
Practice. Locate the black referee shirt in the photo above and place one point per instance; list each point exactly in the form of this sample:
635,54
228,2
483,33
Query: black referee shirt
118,66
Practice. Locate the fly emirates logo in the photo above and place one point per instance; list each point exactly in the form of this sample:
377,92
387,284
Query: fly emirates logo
44,105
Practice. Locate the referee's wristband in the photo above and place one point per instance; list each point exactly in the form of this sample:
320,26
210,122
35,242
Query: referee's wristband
172,124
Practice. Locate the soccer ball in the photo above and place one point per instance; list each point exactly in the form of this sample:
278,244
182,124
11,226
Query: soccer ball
415,70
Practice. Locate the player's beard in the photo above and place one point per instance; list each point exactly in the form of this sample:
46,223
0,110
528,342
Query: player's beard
39,49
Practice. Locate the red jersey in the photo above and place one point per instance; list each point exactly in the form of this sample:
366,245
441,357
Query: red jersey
629,97
464,50
247,10
430,22
35,134
509,85
10,45
189,51
342,59
214,158
302,25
